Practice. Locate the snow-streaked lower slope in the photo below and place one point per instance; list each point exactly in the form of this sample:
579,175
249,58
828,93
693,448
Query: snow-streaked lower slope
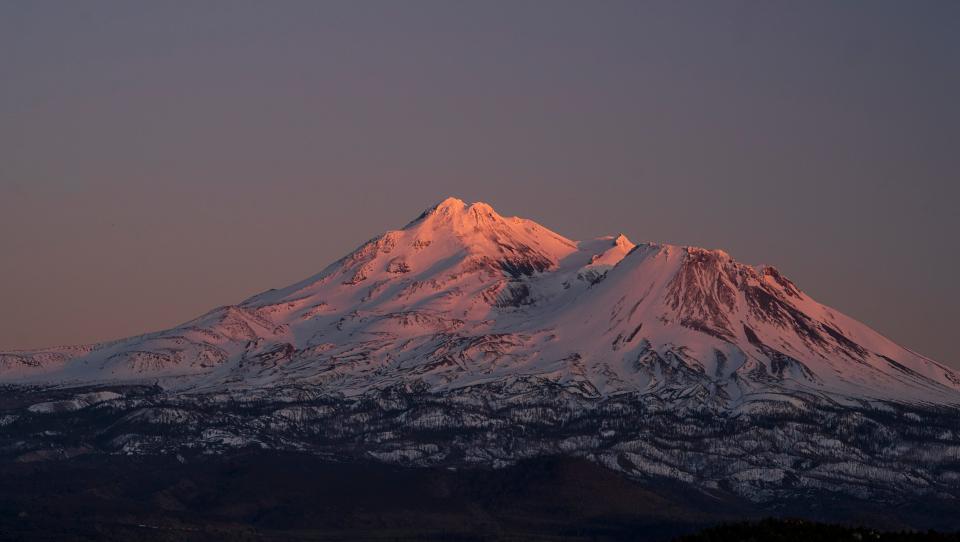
462,296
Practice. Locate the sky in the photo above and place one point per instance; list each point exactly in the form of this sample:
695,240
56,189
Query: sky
158,159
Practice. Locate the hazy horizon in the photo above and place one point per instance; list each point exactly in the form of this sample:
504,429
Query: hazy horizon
160,160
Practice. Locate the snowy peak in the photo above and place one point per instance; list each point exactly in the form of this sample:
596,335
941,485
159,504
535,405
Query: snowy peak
457,214
456,217
453,255
620,247
518,246
459,218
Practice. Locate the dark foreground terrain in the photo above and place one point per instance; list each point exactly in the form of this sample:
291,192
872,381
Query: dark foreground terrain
803,531
272,496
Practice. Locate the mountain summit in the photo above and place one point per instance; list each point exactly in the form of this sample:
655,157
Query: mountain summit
471,339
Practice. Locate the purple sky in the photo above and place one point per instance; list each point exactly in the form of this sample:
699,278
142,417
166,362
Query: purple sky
158,159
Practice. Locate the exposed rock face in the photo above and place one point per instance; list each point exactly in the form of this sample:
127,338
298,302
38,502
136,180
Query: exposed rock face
467,338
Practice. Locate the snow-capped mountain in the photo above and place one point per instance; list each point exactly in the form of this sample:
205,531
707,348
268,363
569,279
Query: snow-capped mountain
471,338
462,296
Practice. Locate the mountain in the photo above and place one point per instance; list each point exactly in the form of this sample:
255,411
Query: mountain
471,339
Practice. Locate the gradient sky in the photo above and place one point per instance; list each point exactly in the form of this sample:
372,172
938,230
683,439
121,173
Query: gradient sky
158,159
